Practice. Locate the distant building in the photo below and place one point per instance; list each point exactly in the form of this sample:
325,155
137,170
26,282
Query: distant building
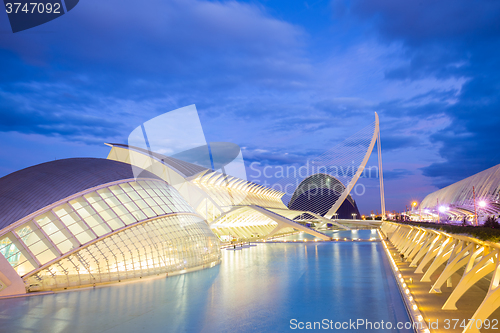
479,193
318,193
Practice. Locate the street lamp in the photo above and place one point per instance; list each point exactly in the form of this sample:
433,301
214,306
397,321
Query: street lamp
413,205
354,216
441,209
481,204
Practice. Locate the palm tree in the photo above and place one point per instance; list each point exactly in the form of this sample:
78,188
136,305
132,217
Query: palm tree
491,222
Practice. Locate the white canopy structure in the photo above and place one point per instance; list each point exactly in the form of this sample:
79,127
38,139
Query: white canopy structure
476,195
234,208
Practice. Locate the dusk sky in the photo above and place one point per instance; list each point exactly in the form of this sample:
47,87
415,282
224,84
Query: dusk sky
285,80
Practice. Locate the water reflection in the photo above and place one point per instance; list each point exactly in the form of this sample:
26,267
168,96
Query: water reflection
363,234
256,289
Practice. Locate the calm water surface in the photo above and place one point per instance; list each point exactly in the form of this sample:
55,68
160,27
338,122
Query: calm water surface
259,288
349,234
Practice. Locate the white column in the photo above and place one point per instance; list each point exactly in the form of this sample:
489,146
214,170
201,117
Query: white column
490,303
428,246
456,261
443,254
10,282
473,273
431,253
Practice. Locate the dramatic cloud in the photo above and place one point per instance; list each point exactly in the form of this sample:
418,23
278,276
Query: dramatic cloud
448,40
138,63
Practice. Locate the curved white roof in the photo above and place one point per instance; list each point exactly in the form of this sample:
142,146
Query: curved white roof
25,191
486,185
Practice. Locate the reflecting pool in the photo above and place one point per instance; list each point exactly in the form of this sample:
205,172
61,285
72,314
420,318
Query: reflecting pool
256,289
364,234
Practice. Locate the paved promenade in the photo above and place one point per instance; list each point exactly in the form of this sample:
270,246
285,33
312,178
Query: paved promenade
430,304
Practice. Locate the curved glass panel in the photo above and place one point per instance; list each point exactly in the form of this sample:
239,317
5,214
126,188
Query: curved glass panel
82,220
165,244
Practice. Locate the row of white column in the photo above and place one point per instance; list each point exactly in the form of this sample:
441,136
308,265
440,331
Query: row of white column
422,246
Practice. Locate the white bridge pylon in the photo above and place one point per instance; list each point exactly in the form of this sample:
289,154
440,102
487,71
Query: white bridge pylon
350,155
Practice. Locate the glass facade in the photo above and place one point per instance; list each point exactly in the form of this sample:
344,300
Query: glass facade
162,245
170,236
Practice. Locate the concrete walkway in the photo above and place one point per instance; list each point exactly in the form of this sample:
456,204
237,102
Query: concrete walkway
430,304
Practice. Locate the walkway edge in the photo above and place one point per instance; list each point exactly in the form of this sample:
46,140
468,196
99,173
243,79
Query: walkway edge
419,325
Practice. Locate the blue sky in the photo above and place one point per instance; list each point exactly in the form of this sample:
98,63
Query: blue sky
284,79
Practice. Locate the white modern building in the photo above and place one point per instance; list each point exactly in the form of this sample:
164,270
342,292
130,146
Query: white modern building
86,221
234,208
478,195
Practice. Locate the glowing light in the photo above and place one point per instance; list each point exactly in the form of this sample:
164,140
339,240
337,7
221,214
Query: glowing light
420,317
415,307
442,209
414,203
482,203
407,291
